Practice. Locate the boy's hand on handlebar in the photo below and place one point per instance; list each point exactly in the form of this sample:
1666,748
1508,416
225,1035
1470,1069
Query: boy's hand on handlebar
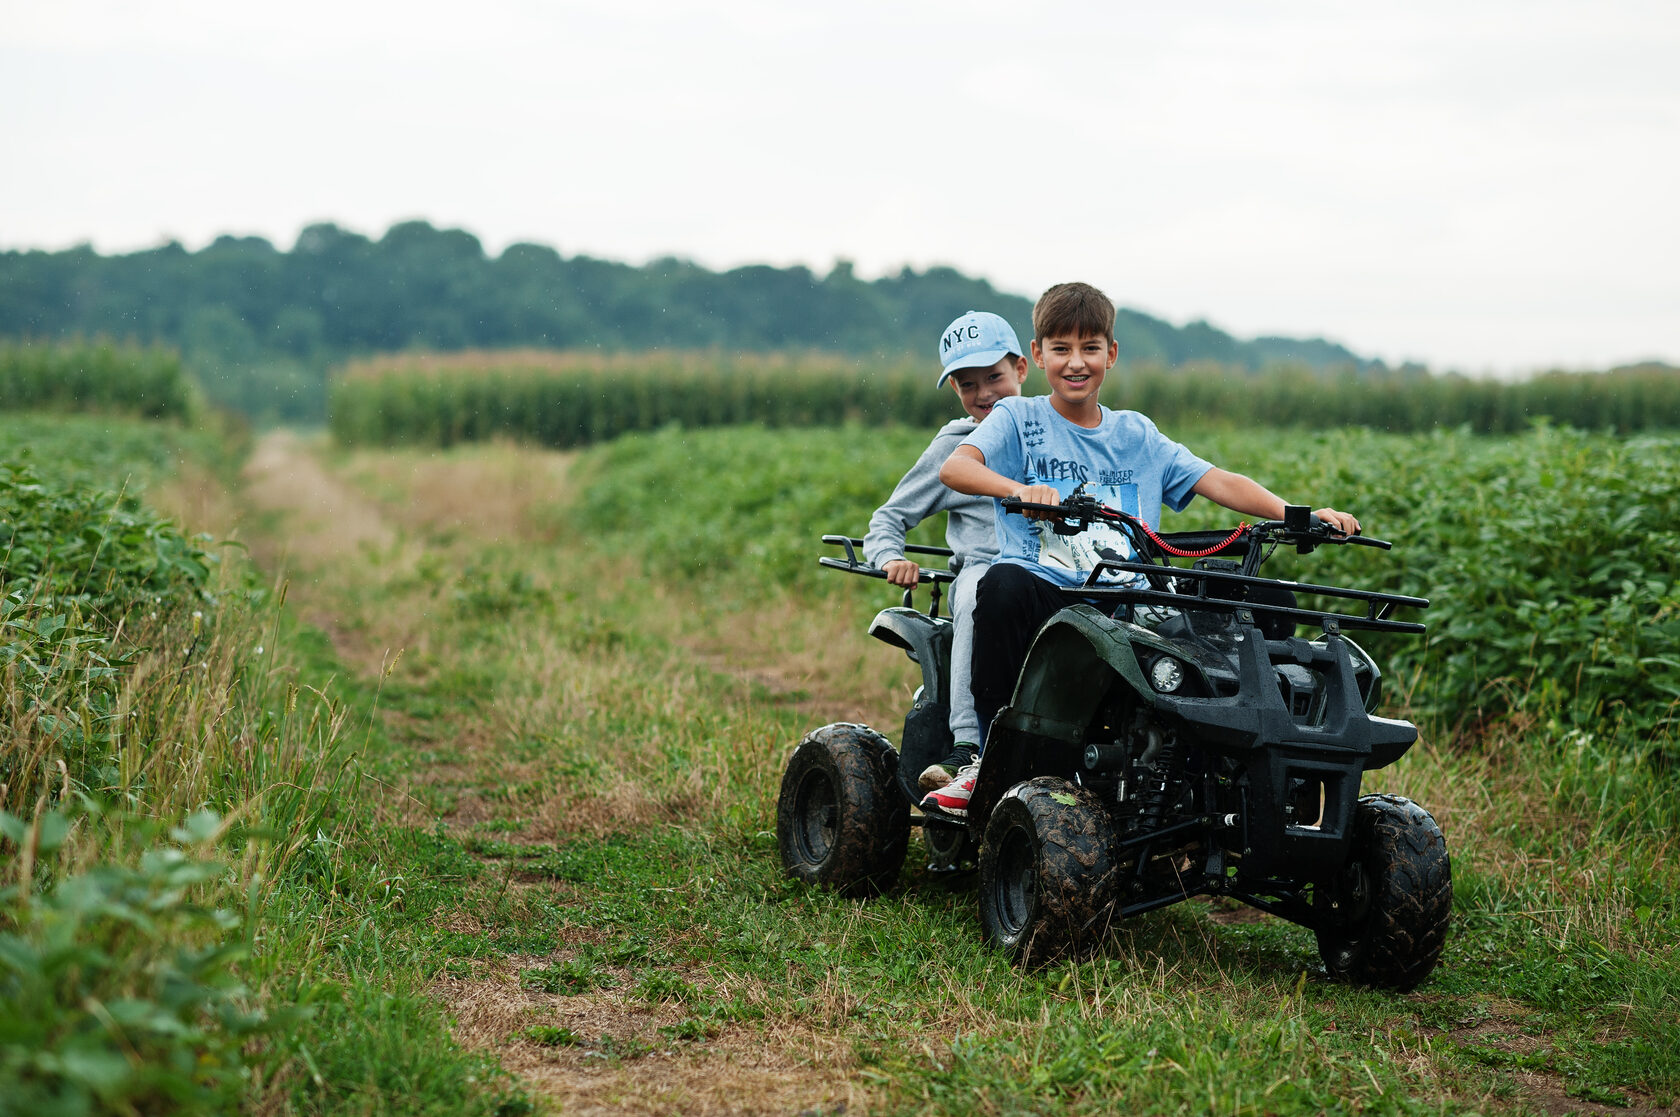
1340,521
902,573
1037,494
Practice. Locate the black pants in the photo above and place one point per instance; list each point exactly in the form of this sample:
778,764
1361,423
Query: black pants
1010,605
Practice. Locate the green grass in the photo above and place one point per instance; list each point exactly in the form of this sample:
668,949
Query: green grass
611,838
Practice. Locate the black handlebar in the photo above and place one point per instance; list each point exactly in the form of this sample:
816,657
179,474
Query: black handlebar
1253,543
1299,526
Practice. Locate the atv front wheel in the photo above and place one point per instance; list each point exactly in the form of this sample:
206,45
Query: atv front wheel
1047,871
1384,921
840,820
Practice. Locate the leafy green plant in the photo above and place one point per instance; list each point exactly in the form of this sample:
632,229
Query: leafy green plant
81,567
1550,559
551,1035
100,549
120,982
575,975
746,506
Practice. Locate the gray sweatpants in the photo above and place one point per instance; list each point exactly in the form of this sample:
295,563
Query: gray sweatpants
965,723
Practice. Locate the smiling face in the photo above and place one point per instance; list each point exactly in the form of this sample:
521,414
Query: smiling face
1074,367
980,388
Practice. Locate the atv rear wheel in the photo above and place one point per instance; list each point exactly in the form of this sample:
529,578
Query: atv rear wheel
1048,871
1384,921
840,820
948,846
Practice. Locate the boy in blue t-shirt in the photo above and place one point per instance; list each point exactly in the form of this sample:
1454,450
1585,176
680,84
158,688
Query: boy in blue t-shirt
1041,449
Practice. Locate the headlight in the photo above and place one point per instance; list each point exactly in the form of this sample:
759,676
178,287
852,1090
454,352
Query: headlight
1166,674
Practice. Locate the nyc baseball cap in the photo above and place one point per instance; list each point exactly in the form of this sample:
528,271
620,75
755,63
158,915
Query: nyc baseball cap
975,340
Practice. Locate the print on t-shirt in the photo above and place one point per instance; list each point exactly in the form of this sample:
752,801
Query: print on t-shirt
1079,554
1124,461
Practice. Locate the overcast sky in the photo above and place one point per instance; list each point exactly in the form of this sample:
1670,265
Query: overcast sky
1486,186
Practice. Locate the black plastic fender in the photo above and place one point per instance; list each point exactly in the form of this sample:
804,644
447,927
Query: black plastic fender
926,640
927,726
1074,663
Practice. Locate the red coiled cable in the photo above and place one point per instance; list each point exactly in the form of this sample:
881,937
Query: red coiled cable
1241,530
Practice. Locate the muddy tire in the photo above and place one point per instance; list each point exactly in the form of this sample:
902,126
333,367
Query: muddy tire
1384,922
841,821
1048,872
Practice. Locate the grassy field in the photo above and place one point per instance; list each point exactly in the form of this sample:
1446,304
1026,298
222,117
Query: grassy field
604,660
569,683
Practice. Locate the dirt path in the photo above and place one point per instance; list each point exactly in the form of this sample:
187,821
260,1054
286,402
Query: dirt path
313,525
320,518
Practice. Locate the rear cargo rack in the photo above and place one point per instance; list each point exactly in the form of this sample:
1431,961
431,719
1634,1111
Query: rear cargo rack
853,563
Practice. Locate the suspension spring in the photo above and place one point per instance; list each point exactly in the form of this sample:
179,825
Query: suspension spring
1157,777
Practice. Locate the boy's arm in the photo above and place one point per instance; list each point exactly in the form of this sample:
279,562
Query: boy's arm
917,496
966,471
1250,497
883,544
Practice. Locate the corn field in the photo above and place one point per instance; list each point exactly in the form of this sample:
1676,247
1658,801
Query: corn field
146,382
564,400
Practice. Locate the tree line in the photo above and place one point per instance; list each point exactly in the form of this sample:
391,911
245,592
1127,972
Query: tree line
261,326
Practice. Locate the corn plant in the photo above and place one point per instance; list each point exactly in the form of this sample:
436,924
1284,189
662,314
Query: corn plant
569,399
83,376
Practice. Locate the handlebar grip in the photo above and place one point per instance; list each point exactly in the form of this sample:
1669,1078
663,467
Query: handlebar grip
1017,505
1336,536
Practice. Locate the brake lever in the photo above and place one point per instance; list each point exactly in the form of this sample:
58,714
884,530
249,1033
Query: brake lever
1068,518
1320,532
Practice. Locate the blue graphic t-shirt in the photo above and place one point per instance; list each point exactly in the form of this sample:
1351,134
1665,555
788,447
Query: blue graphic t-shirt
1125,462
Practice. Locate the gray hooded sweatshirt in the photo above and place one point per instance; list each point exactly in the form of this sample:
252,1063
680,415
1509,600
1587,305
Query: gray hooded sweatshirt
971,530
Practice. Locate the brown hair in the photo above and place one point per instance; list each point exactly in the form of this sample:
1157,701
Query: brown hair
1073,310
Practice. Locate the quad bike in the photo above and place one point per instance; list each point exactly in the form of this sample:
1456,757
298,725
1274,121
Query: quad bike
1168,738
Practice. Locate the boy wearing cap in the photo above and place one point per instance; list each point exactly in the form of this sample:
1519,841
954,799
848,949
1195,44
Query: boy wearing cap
1045,448
983,361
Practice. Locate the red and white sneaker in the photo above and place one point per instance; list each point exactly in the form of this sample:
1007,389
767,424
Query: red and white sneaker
953,797
936,776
